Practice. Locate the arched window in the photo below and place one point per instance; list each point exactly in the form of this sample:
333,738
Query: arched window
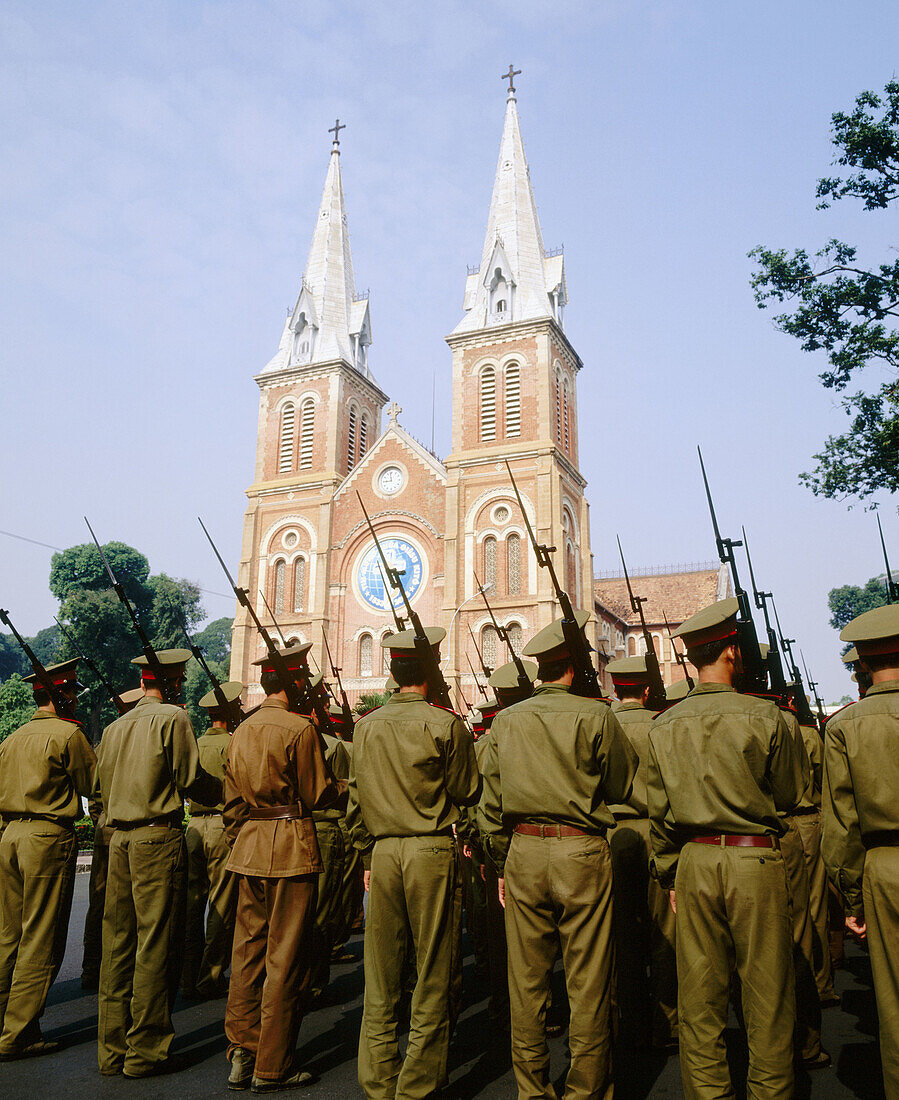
285,442
489,560
299,583
513,563
365,655
363,435
488,646
278,593
307,433
558,408
351,440
571,571
512,376
566,414
632,646
488,403
515,638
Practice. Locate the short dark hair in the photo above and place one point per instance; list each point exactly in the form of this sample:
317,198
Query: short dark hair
707,654
549,671
41,697
408,670
270,681
879,661
630,691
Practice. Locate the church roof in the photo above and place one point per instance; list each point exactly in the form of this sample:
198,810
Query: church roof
676,594
513,246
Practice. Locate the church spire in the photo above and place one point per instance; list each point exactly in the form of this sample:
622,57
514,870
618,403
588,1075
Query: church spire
516,281
330,321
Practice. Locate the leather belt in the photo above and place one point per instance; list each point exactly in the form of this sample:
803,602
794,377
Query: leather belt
555,831
205,813
172,820
881,840
737,840
63,823
293,812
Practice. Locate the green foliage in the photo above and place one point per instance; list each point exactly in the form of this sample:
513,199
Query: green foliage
847,310
215,641
46,645
84,834
849,600
12,659
215,644
371,699
174,603
16,704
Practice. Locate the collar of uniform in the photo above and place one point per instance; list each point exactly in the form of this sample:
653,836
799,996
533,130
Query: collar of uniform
628,704
39,714
703,689
887,685
270,702
401,697
546,689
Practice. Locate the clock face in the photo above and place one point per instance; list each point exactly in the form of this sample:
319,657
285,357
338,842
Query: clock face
390,480
401,555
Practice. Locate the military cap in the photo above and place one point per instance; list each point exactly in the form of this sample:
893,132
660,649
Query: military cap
714,623
315,680
131,698
850,656
874,632
391,684
549,643
172,661
231,689
403,643
64,675
483,715
505,678
628,671
294,657
680,689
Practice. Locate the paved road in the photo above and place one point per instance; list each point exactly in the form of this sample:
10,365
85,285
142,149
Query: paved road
329,1035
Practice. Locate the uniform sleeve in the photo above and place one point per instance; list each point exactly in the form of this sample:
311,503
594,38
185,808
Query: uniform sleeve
841,842
81,763
463,780
340,762
786,775
316,785
355,823
191,779
801,751
497,836
235,810
616,758
665,848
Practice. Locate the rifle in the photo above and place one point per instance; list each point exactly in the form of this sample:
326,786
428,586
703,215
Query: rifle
892,586
524,681
803,710
656,699
753,666
485,668
166,688
61,705
105,684
335,672
227,709
272,617
398,620
678,656
775,668
813,687
477,682
436,682
586,680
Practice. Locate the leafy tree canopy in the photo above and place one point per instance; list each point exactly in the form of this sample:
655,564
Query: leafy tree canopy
16,704
847,310
849,600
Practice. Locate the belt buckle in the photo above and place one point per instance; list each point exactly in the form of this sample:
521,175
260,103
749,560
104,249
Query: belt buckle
722,840
557,834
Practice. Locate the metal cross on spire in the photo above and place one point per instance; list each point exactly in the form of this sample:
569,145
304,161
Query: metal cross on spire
510,76
335,130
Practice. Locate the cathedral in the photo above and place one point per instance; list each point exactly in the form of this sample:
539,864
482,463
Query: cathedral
453,524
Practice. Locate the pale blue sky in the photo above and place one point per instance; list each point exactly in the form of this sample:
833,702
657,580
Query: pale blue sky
160,168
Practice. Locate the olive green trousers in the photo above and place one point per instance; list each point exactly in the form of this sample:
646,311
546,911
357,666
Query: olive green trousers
413,902
143,941
808,1003
328,908
559,890
809,826
880,892
207,944
96,901
37,877
351,889
733,916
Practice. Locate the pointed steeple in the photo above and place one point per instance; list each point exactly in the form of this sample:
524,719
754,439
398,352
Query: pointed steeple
329,321
516,281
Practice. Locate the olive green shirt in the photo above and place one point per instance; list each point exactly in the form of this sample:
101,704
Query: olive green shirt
805,801
719,762
636,721
45,766
555,758
213,749
413,765
338,760
860,795
814,750
148,762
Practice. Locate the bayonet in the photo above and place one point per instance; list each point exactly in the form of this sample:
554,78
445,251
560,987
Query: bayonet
60,704
477,682
656,699
813,687
229,710
335,672
803,710
271,615
892,587
524,681
398,620
775,668
678,656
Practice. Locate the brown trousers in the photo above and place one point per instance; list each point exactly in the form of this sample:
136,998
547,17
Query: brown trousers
270,969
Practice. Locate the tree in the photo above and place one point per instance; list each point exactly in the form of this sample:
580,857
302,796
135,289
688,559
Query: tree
847,310
12,659
16,705
215,644
849,600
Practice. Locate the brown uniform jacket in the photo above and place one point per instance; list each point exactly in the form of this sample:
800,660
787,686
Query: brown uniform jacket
636,721
719,762
213,749
44,766
275,759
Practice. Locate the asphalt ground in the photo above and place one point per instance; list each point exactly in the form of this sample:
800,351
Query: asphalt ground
479,1067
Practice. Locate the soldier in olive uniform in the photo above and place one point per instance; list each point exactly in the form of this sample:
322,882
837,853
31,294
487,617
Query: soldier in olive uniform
349,908
861,816
45,766
644,922
412,767
147,764
721,766
551,765
207,946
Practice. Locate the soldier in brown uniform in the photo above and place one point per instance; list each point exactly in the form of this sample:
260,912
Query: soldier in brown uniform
207,945
45,766
146,765
721,766
551,765
276,777
412,767
861,816
644,922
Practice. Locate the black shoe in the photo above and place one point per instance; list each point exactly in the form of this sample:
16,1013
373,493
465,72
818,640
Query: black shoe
172,1064
32,1050
820,1061
296,1081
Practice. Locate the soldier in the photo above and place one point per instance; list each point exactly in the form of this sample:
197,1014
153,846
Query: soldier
96,889
349,912
644,922
551,765
147,763
207,950
721,766
45,766
412,767
861,816
276,777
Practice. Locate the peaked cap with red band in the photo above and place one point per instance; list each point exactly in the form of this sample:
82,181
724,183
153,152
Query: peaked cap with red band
875,633
63,675
549,643
403,643
714,623
231,689
294,657
505,678
172,661
628,672
680,689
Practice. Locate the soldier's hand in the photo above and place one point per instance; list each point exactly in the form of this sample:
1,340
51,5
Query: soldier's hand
857,927
501,891
466,851
672,902
366,880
